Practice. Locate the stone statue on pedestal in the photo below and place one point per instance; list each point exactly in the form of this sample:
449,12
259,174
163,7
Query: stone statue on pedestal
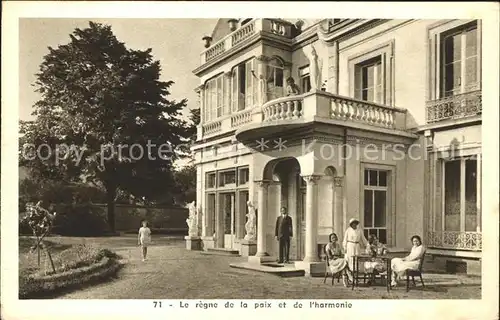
250,226
192,220
315,65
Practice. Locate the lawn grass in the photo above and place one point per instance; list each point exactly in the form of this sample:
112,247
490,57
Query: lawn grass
75,264
65,255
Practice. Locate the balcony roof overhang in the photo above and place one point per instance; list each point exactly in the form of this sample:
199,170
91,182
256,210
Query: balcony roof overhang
253,132
256,131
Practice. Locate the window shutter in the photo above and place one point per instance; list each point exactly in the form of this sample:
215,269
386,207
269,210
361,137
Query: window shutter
357,82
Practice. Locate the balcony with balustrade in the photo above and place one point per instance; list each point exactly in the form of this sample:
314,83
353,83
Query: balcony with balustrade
455,240
306,110
246,34
455,107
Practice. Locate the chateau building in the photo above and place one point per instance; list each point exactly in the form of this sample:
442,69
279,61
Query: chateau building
383,125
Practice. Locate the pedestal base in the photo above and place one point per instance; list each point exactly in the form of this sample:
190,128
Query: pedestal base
261,259
208,242
248,248
193,243
312,269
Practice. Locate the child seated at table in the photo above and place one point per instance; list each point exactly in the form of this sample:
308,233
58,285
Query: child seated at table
375,249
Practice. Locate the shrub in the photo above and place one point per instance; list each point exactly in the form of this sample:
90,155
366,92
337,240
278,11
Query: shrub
45,286
24,227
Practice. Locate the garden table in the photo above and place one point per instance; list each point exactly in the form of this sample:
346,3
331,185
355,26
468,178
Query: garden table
365,257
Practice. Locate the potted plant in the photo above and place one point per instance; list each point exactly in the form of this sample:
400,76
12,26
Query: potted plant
207,40
233,24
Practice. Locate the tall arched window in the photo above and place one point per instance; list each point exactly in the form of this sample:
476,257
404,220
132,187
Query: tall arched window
244,86
275,79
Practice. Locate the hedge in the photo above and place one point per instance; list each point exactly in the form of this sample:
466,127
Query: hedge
45,286
82,220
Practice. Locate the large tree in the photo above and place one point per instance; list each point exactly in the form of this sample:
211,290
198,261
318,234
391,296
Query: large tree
106,102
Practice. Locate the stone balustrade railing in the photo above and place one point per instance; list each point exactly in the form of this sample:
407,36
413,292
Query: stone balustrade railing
287,108
243,33
212,127
225,123
311,106
461,240
454,107
278,27
214,51
343,108
241,118
246,31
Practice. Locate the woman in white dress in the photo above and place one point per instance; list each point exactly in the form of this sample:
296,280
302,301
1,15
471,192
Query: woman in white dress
336,262
144,239
353,237
410,262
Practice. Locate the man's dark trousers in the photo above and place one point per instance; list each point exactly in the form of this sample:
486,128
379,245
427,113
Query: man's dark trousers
284,243
284,230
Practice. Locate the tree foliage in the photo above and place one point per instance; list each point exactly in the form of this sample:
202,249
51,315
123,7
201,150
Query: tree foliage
105,103
185,180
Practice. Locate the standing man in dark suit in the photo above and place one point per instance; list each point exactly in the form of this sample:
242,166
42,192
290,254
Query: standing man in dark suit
283,233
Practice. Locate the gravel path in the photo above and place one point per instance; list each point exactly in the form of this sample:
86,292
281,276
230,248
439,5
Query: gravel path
172,272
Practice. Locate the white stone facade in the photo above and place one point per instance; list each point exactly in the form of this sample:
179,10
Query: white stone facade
400,106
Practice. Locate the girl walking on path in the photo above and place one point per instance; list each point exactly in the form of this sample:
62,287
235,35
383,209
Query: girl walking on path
144,238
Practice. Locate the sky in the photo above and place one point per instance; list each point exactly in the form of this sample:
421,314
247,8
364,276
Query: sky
177,43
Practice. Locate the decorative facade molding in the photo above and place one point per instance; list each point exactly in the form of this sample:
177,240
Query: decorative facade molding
263,58
199,89
264,184
347,29
311,179
338,181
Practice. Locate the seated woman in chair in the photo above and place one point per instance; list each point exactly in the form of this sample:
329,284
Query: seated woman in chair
335,258
410,262
375,249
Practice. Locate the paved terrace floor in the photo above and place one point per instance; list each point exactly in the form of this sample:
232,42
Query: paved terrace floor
172,272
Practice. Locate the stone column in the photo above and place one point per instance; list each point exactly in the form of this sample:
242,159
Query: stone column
262,218
338,223
311,218
292,205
